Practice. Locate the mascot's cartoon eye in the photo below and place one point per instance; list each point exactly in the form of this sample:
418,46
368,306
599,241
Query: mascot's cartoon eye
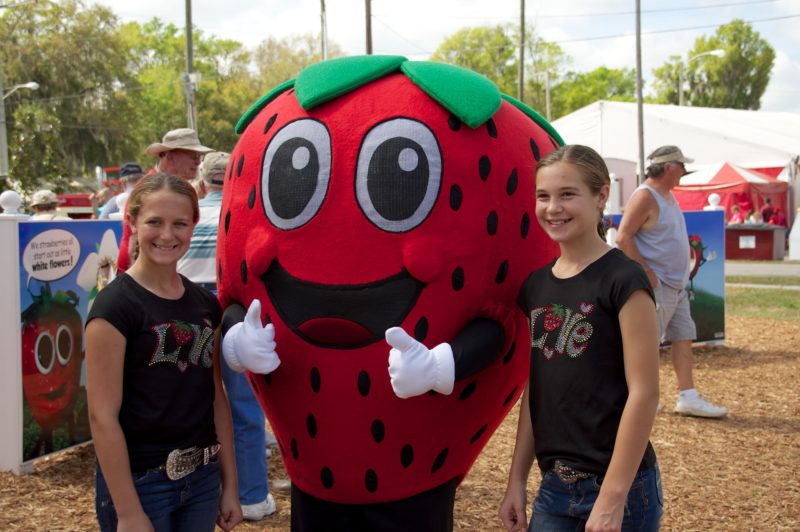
295,173
398,175
63,344
45,355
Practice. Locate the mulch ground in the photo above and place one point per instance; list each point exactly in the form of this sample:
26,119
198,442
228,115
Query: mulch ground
739,473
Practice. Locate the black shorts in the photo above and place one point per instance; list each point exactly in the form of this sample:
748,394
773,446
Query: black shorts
430,511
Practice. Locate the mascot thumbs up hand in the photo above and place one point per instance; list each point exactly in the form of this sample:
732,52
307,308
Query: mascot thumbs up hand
248,346
414,369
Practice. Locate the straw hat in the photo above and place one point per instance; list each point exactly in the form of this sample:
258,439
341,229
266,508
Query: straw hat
44,197
178,139
213,167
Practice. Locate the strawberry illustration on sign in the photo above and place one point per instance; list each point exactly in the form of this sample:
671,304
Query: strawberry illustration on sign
369,195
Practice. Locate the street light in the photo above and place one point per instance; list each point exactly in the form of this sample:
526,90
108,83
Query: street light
682,72
32,85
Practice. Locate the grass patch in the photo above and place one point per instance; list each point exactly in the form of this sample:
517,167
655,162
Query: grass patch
753,279
768,303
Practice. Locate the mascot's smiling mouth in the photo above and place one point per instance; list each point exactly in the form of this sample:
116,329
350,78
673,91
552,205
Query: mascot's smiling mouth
341,316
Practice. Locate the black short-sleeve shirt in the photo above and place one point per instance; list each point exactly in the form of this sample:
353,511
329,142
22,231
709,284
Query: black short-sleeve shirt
168,386
577,381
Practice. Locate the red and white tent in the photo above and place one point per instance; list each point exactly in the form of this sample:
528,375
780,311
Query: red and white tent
734,185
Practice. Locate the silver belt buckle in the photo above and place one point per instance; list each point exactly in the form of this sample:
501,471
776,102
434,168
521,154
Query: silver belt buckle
182,462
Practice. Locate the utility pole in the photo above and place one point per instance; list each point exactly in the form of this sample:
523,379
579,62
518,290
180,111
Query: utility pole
189,78
323,31
639,104
369,27
3,138
521,88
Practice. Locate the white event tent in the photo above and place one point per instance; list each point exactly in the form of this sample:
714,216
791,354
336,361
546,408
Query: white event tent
751,139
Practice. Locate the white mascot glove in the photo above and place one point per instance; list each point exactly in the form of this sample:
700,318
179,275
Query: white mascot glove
249,346
414,369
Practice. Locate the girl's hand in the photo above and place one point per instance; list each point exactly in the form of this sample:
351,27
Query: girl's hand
230,511
605,517
513,510
138,522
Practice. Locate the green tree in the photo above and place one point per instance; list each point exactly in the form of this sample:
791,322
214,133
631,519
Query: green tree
580,89
545,65
77,117
488,50
736,80
278,60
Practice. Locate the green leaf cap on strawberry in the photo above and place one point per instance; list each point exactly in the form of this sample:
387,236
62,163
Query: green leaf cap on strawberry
474,102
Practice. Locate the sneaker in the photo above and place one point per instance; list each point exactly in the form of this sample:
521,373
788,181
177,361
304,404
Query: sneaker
256,512
281,486
698,407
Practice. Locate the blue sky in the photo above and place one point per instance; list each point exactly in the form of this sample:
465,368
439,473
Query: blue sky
593,32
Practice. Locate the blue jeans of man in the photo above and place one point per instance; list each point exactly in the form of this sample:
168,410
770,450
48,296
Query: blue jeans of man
566,507
248,435
189,504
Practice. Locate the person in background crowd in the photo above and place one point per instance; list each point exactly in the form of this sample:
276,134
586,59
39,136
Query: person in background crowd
129,174
653,233
736,215
766,211
199,265
158,412
588,408
44,204
777,217
755,218
179,153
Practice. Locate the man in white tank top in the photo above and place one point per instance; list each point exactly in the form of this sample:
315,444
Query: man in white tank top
653,233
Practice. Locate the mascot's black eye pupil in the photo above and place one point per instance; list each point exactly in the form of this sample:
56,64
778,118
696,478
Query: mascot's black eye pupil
45,352
397,178
293,177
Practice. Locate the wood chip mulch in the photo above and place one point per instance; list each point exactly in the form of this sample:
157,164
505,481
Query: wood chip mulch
738,473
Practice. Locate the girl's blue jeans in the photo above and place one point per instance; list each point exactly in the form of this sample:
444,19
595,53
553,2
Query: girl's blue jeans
190,504
566,507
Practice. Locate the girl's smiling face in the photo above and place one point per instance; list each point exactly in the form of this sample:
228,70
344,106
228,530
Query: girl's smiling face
566,207
164,227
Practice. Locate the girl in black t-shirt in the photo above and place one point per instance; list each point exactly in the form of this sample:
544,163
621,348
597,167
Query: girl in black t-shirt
159,417
592,395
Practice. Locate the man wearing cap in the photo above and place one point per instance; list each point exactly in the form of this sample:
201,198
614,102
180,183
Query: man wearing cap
129,174
199,265
179,153
44,204
653,233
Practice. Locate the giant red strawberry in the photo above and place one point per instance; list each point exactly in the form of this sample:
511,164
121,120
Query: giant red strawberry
52,339
369,193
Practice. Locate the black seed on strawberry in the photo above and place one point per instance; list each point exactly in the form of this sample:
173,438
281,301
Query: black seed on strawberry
502,272
219,271
439,461
268,379
491,223
484,167
454,123
270,122
455,197
371,481
491,128
326,476
525,226
315,380
513,181
510,396
478,434
377,430
227,221
251,199
468,390
406,455
535,150
364,383
253,380
421,329
295,452
457,278
510,354
240,166
311,425
230,169
243,271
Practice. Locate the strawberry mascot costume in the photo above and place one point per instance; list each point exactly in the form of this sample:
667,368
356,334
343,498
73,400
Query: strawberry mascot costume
378,218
